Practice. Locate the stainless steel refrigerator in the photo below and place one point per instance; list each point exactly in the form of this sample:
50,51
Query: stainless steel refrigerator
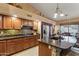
46,32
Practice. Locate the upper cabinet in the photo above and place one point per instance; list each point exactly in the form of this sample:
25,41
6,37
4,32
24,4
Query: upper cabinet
30,23
11,23
27,22
17,23
7,22
0,22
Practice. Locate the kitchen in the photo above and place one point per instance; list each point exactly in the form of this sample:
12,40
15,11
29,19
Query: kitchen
22,29
18,29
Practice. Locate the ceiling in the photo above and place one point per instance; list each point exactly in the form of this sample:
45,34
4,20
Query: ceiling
48,9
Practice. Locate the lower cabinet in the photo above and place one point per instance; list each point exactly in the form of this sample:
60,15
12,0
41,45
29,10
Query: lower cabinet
19,44
11,46
14,45
2,47
44,50
33,41
26,43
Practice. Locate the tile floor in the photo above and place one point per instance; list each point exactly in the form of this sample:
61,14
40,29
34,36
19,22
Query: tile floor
29,52
34,52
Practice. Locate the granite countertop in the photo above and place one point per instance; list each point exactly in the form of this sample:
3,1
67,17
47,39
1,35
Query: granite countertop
13,36
61,45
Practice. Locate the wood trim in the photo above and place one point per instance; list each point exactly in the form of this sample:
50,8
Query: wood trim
2,21
14,4
68,21
16,17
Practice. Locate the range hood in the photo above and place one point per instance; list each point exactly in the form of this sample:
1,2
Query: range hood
27,27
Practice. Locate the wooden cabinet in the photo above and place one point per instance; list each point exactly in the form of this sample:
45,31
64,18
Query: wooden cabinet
30,23
7,22
11,23
44,50
11,46
2,47
19,44
17,23
14,45
27,22
32,41
26,43
0,22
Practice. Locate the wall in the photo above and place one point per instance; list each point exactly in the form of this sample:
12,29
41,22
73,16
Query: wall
68,21
28,7
9,32
37,26
57,27
7,9
73,21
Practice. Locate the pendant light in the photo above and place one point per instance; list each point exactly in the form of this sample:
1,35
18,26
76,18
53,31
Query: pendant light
58,12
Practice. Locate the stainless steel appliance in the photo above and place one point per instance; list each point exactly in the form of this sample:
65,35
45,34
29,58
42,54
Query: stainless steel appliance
46,32
27,30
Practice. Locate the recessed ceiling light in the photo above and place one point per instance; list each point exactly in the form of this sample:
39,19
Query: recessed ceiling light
14,15
13,18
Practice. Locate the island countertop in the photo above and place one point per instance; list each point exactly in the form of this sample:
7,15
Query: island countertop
61,45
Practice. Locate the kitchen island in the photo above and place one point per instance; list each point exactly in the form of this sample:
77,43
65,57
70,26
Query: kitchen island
55,49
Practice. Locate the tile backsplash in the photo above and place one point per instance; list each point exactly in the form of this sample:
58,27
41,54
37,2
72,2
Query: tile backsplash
9,32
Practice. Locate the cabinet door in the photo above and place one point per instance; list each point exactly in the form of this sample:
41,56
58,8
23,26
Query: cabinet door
7,22
19,44
26,43
3,48
0,22
16,23
10,47
27,22
30,23
32,41
14,45
44,50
